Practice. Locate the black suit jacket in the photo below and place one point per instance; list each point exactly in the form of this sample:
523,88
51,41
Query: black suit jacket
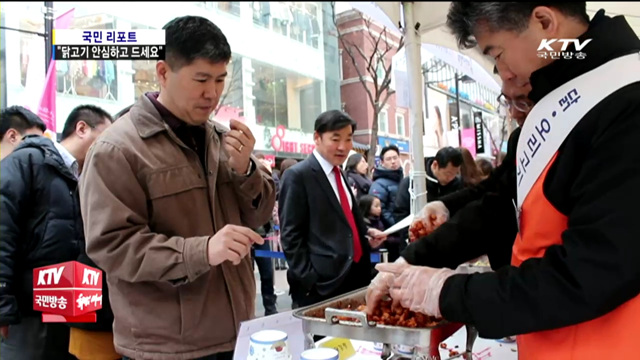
315,235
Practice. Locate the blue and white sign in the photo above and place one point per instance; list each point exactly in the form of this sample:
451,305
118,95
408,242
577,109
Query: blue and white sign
403,145
108,37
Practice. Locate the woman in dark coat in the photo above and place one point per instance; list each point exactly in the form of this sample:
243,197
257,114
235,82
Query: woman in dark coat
357,174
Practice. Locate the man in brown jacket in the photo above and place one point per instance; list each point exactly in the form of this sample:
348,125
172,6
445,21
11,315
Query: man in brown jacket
168,199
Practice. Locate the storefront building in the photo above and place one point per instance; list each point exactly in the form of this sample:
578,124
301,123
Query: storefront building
392,120
481,128
284,70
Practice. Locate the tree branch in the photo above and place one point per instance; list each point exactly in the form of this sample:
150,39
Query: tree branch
369,66
387,96
349,49
361,76
237,67
376,44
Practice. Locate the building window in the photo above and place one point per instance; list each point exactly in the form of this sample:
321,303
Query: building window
91,78
283,97
271,98
383,121
145,78
310,105
301,21
400,124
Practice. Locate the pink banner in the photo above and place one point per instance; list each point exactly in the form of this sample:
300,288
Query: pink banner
64,21
47,108
469,140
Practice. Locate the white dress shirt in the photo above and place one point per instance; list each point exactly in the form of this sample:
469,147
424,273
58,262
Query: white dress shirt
328,171
68,159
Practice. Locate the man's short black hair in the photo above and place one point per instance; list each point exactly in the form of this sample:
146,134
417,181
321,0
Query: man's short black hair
465,18
389,148
19,118
193,37
90,114
448,155
333,120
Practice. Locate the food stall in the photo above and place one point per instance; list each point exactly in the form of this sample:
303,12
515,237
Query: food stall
344,317
342,323
386,334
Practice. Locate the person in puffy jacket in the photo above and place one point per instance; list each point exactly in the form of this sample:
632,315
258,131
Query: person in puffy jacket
441,180
89,341
386,179
41,225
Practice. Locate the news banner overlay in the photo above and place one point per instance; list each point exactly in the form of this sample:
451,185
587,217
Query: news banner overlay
109,44
67,292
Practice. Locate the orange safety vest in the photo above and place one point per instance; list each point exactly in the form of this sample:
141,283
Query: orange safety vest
616,334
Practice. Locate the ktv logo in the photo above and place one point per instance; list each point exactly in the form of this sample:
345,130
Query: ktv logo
67,292
545,50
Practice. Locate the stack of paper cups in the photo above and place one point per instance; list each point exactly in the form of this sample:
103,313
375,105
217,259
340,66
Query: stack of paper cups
320,354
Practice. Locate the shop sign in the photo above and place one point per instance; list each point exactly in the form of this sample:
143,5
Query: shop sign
403,145
271,159
469,140
477,120
281,139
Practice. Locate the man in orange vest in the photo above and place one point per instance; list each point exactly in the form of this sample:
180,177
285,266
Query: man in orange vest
572,290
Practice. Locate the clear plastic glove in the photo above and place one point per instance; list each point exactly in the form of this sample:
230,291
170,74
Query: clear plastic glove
381,284
417,288
428,219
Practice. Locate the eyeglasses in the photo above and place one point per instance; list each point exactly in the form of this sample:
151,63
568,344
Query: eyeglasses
520,105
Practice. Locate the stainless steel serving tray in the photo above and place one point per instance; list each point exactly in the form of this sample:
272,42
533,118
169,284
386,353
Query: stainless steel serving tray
322,319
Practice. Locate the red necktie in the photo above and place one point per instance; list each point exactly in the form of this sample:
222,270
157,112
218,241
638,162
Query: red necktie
344,201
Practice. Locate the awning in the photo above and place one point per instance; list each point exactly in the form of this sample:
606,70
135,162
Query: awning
359,146
432,16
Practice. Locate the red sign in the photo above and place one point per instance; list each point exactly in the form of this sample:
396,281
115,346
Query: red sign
67,292
271,159
279,144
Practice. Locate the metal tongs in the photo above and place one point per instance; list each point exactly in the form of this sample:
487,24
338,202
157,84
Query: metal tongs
472,335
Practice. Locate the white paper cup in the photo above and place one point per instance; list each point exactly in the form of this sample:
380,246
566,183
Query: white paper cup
320,354
403,350
269,345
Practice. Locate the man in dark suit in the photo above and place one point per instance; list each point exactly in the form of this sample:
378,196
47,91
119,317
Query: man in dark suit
323,233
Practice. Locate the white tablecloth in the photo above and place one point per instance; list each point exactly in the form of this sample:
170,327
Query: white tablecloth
483,349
